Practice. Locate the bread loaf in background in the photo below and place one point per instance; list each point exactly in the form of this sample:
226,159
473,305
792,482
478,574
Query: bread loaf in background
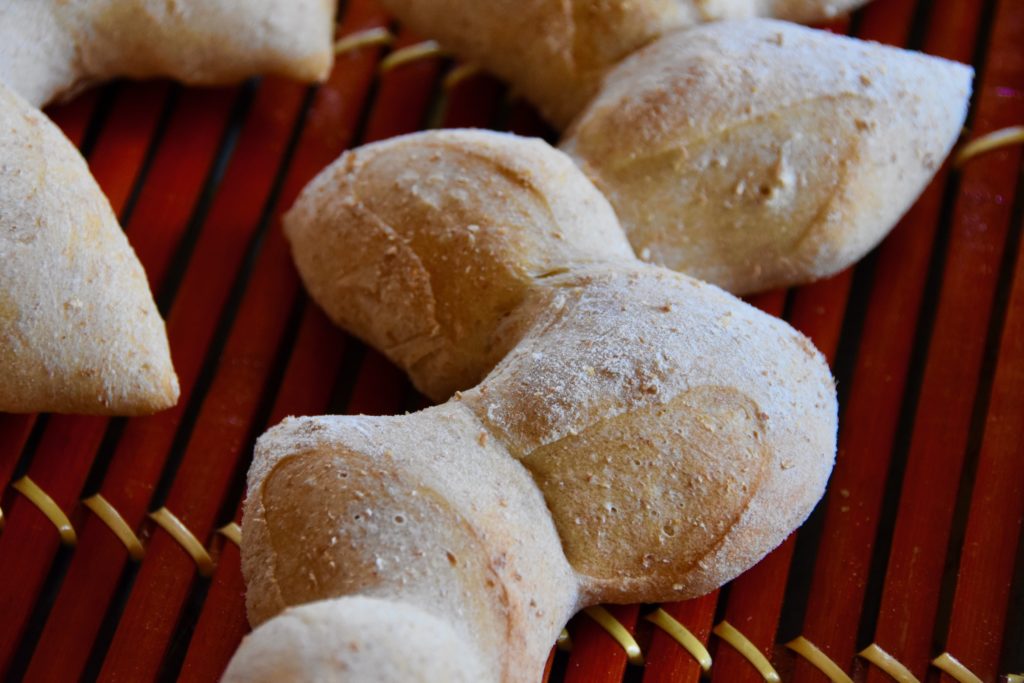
51,49
556,53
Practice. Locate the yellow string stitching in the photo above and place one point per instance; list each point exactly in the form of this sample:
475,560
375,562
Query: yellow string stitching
952,666
1015,678
564,642
818,659
459,74
1014,135
109,515
48,507
411,53
617,631
682,635
742,644
887,663
371,37
232,532
179,532
1,519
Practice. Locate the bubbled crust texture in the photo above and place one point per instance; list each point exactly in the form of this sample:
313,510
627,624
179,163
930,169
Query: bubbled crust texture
79,332
447,232
760,154
52,48
555,52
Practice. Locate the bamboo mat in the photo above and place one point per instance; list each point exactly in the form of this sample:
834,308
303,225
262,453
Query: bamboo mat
915,550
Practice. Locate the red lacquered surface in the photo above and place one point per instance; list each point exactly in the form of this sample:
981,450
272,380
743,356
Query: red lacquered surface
925,338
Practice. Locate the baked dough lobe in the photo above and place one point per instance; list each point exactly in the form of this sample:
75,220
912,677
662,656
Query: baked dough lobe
556,52
760,154
79,331
51,49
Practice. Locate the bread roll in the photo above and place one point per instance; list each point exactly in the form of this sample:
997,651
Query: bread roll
555,53
79,332
50,49
759,154
644,437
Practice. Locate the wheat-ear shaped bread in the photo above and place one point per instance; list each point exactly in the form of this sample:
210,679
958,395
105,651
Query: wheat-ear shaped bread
51,49
633,434
79,332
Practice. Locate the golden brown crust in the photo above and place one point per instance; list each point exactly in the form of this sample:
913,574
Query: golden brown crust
646,436
79,332
759,154
52,48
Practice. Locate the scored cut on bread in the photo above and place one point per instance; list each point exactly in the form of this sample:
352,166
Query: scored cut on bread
760,154
636,435
51,49
79,331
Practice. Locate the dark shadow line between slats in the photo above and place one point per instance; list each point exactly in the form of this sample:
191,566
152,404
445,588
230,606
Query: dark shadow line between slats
363,120
98,120
40,611
1012,658
915,375
433,115
921,25
174,655
155,142
202,386
979,414
211,184
808,538
345,383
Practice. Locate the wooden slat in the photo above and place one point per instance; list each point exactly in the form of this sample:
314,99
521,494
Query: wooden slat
876,395
978,621
595,655
981,221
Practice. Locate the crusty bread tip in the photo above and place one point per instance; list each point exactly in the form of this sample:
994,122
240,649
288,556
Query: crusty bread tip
79,332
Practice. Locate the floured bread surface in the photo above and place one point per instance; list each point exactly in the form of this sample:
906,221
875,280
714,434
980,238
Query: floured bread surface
759,154
79,332
355,639
555,53
427,245
642,437
52,48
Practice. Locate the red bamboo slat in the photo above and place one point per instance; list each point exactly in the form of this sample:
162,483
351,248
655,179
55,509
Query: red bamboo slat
595,655
982,598
63,456
667,661
876,395
981,221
